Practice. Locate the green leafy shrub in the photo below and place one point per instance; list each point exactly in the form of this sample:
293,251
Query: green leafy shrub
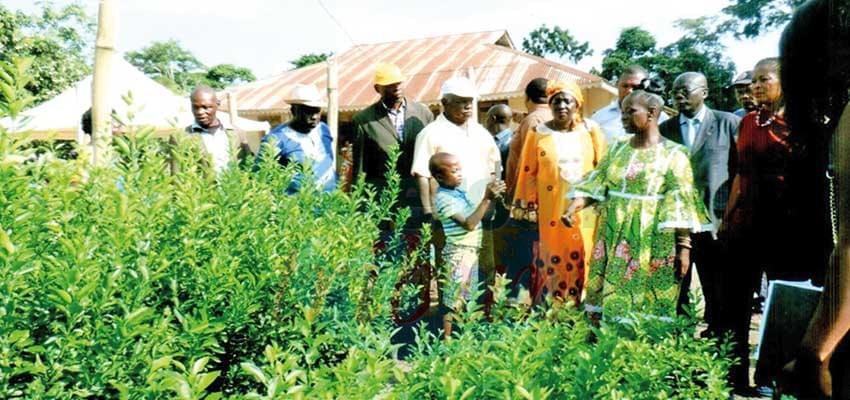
128,282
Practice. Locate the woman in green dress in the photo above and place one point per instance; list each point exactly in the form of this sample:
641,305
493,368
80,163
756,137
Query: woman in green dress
649,207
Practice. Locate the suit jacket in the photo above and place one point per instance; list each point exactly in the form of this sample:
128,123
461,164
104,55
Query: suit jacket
240,152
713,157
375,137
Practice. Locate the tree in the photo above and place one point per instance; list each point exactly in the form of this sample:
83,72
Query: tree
224,75
751,18
634,46
310,59
179,70
543,41
57,40
699,49
168,63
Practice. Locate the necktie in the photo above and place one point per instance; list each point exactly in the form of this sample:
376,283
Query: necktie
693,128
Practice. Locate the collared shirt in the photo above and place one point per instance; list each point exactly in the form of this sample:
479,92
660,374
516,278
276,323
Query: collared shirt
610,119
691,127
450,202
314,147
216,143
471,144
397,118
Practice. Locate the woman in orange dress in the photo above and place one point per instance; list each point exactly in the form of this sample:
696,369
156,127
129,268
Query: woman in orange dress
555,155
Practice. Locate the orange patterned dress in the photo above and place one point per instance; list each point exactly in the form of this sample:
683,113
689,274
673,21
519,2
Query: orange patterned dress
550,163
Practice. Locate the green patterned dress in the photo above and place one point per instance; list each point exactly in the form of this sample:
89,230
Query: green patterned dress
644,196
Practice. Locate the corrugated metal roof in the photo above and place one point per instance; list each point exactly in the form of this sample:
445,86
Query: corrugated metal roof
500,71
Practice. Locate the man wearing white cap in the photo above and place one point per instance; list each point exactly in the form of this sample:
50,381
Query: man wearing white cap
304,139
453,132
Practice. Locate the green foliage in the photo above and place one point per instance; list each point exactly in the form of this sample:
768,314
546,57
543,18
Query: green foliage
130,282
179,70
14,96
545,40
168,61
310,59
699,49
56,39
751,18
224,75
634,46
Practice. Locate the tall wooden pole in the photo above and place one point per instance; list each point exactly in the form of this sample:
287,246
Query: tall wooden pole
101,109
333,103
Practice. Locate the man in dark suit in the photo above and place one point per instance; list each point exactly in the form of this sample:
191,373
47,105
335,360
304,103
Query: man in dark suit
391,123
710,137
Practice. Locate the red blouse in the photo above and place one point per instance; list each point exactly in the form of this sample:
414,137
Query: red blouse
764,157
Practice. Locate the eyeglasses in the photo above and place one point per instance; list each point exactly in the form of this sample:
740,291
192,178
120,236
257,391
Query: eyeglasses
685,92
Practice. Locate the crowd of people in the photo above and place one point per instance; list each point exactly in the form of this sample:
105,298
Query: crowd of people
608,213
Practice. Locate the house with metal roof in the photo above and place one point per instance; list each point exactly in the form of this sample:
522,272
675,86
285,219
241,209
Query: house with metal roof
499,70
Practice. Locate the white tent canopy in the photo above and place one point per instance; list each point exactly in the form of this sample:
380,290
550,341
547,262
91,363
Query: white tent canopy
152,105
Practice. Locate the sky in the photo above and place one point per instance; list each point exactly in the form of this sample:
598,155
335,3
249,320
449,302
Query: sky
265,35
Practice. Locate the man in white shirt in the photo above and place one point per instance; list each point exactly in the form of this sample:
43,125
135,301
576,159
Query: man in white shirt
219,142
453,132
609,117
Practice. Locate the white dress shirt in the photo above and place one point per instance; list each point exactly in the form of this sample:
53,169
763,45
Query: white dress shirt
216,144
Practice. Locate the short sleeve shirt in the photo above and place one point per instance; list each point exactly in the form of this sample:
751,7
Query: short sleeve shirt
471,144
451,202
315,147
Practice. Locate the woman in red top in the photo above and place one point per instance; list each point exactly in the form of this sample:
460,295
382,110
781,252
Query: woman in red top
761,215
760,189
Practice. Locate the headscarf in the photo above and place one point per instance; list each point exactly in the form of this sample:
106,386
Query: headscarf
571,88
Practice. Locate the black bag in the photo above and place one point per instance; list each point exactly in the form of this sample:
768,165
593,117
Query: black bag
788,308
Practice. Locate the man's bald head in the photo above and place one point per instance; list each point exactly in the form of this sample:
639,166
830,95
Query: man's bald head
692,78
689,92
499,118
201,91
204,106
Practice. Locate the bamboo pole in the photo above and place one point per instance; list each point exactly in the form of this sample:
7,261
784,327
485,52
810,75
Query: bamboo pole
104,47
333,103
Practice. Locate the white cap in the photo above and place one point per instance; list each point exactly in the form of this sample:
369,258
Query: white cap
458,86
307,95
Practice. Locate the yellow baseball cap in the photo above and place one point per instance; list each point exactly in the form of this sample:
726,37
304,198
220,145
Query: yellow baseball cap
387,74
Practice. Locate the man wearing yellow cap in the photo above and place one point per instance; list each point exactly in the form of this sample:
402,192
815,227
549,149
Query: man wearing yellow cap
391,123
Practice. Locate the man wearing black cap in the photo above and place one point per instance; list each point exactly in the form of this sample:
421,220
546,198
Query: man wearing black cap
743,94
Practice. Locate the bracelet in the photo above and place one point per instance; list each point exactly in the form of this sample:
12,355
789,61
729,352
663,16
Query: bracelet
683,242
